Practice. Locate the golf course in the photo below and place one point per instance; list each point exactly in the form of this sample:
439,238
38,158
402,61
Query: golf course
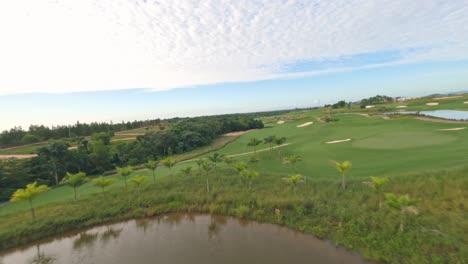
424,160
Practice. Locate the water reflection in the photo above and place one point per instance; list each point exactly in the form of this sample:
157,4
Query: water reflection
85,239
41,257
110,234
181,239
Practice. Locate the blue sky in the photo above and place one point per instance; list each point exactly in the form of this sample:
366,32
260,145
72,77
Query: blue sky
89,60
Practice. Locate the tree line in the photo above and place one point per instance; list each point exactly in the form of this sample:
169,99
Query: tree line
97,155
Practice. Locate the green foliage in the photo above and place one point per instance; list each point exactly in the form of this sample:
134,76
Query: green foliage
152,165
187,171
249,175
102,182
292,160
240,166
125,172
294,179
31,192
75,180
138,181
343,168
169,163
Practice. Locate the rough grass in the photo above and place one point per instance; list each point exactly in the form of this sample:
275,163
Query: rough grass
350,218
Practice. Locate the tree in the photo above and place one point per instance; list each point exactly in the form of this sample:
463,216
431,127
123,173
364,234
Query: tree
254,142
207,167
215,158
102,182
343,168
138,181
293,180
169,163
228,160
29,194
240,166
199,163
75,180
292,160
187,171
125,172
279,142
404,203
249,175
152,165
378,183
254,161
269,140
54,153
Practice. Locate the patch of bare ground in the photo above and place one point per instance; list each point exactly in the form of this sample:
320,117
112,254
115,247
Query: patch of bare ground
451,129
305,124
448,97
18,156
238,133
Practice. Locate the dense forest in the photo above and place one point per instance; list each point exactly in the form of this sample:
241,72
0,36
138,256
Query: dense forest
36,133
96,155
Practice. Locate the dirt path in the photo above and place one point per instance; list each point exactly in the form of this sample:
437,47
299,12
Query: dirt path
238,133
18,156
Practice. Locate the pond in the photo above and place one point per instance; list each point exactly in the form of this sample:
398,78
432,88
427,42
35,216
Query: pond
183,238
445,114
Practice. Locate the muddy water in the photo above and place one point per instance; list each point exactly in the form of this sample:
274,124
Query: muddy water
181,238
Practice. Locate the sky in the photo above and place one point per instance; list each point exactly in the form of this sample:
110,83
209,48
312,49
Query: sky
100,60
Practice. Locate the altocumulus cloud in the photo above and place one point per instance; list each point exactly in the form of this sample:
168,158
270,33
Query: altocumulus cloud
68,45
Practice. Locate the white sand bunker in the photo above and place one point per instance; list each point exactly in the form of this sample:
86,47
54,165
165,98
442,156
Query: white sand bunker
452,129
305,124
432,104
280,122
401,106
465,102
338,141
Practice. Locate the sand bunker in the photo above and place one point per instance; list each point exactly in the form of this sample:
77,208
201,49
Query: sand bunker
238,133
401,106
452,129
465,102
305,124
432,104
280,122
19,156
447,97
338,141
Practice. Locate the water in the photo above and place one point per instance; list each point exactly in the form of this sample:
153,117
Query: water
183,239
445,114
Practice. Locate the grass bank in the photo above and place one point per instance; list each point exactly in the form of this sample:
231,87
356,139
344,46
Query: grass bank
318,206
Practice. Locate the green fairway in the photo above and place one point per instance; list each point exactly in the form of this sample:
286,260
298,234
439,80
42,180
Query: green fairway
378,147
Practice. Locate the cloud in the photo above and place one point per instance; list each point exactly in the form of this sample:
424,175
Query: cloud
67,45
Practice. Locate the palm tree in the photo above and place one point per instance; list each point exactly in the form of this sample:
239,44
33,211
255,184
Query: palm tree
169,163
404,203
207,167
240,166
125,172
249,175
199,163
102,182
75,180
215,158
279,142
254,142
378,183
152,165
254,161
228,160
269,140
343,168
292,160
138,181
187,171
29,194
294,180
